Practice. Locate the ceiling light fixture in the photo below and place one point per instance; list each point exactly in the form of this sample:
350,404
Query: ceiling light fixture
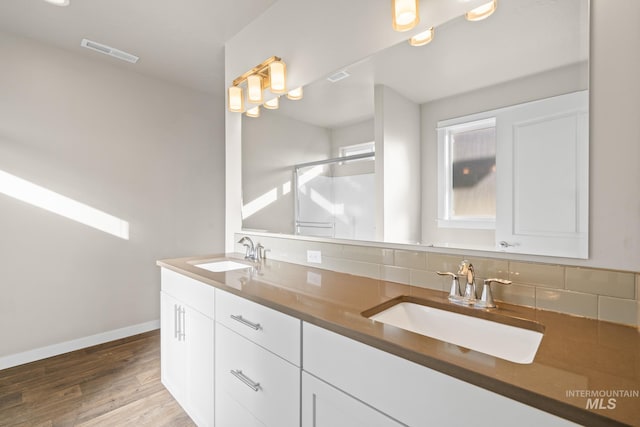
270,74
482,12
272,104
295,94
404,14
422,38
58,2
253,112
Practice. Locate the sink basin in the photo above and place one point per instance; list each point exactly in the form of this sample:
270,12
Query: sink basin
220,266
517,344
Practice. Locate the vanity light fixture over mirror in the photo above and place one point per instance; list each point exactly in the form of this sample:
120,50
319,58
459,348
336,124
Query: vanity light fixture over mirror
270,74
407,110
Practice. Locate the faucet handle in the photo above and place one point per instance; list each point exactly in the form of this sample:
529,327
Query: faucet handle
454,293
486,300
259,252
501,281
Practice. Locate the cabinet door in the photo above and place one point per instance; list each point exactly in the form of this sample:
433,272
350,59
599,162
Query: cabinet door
199,336
173,349
326,406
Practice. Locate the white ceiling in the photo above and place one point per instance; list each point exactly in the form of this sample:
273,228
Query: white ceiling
181,41
523,37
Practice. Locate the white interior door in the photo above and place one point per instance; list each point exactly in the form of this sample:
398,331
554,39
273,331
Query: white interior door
543,177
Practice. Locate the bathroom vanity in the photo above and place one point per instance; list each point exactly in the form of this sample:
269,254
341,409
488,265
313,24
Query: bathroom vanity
279,344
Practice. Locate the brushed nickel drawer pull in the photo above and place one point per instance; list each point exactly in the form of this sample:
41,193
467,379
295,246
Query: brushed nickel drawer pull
245,379
182,335
239,318
175,321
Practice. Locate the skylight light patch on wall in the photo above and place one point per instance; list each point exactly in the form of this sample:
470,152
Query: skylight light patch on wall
51,201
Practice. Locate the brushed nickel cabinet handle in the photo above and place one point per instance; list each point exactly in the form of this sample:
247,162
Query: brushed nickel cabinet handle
239,318
245,379
182,334
175,321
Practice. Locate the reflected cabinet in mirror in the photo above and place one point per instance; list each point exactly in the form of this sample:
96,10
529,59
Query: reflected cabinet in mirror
477,140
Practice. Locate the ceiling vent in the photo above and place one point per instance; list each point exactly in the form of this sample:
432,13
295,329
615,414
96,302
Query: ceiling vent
336,77
108,50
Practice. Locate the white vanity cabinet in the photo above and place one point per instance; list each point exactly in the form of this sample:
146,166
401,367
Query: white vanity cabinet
270,369
404,391
187,344
326,406
257,369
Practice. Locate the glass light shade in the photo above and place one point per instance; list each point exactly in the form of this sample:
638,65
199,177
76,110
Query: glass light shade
272,104
482,12
405,14
278,77
422,38
235,99
253,112
254,89
295,94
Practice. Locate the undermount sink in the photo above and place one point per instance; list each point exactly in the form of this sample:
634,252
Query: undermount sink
221,266
517,344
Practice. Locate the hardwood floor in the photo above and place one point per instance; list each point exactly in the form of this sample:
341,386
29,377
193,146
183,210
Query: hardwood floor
112,384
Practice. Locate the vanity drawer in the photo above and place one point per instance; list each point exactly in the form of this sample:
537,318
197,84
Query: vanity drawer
275,331
198,295
261,383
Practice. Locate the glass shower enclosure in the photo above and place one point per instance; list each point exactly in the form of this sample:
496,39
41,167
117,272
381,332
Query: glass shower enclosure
336,197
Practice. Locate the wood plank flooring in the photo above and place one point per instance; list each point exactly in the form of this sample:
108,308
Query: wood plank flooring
112,384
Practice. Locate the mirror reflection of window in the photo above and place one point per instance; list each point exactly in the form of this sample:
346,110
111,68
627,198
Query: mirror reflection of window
470,168
473,170
351,150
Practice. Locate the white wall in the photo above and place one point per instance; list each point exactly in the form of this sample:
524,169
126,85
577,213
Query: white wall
614,217
397,130
146,151
273,145
356,133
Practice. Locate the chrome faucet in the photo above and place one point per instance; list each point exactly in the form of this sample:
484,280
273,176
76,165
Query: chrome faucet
469,296
249,248
466,269
253,253
486,300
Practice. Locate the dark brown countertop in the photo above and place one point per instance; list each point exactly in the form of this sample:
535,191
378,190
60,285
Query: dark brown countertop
576,357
